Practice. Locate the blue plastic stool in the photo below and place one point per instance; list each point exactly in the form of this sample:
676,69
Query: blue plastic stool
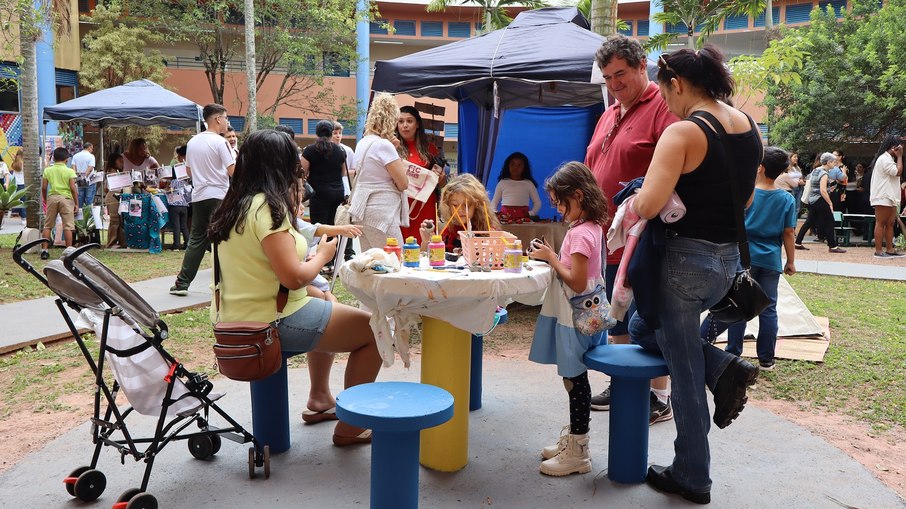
475,369
270,411
395,412
630,368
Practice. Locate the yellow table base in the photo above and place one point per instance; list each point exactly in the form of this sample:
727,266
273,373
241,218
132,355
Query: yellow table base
446,361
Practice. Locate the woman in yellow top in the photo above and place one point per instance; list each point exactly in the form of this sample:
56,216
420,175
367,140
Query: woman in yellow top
259,249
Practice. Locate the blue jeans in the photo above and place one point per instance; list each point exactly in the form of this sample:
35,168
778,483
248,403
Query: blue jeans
696,274
20,210
86,195
767,321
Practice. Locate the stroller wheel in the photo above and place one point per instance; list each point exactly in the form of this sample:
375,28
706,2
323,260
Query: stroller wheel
89,485
251,462
127,495
71,479
216,440
267,462
202,447
142,501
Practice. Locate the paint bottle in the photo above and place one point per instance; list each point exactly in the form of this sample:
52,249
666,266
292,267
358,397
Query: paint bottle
512,257
436,250
393,247
410,252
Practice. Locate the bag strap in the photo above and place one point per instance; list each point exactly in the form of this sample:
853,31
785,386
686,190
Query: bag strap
358,167
282,293
738,207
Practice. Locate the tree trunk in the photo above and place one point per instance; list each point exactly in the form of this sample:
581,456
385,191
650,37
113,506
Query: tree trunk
31,135
251,122
690,39
769,16
604,17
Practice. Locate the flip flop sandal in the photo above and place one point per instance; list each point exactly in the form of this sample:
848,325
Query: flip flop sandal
362,438
313,417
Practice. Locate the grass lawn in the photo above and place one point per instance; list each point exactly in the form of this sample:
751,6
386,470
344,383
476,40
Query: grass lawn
16,284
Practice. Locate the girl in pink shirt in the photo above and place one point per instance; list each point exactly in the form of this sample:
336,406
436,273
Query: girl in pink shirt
572,189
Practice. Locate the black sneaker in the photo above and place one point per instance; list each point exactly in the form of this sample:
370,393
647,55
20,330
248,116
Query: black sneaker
179,290
601,402
730,391
660,479
46,256
660,412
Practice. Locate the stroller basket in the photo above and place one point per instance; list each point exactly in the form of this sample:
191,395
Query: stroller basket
131,334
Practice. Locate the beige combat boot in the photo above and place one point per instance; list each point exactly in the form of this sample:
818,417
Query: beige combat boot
572,459
552,450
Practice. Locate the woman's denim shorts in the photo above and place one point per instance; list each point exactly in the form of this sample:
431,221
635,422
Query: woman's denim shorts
301,331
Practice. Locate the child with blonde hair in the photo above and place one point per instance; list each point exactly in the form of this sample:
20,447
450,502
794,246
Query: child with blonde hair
577,197
464,201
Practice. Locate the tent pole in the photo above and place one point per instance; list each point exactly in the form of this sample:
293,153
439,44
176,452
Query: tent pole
101,155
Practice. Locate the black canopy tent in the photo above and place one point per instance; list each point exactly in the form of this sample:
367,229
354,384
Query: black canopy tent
544,57
141,102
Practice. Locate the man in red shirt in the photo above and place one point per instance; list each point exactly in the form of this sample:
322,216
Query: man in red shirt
620,150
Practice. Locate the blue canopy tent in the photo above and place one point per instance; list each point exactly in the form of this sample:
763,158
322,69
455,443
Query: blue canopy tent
141,102
512,85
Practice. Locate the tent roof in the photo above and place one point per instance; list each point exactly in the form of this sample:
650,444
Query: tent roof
543,58
141,102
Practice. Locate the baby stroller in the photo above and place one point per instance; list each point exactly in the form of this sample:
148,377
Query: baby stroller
131,335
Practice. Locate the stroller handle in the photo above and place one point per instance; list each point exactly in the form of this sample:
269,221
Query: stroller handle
20,261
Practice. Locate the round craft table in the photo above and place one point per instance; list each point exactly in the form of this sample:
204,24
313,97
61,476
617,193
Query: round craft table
453,305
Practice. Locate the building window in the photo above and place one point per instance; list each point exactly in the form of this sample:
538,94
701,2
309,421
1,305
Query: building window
67,83
838,5
459,29
759,21
404,27
451,131
378,26
642,28
798,13
736,22
312,124
335,66
237,122
348,129
432,28
628,31
293,123
9,88
86,6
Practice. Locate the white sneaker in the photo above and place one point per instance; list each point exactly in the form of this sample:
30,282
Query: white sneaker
552,450
572,459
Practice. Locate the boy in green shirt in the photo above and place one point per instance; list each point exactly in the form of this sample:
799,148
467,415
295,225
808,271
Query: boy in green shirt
59,198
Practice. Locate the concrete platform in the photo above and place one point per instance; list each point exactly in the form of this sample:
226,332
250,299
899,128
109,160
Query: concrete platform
761,460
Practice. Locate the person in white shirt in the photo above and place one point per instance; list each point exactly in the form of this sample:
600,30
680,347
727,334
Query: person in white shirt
209,163
350,155
83,163
884,194
515,187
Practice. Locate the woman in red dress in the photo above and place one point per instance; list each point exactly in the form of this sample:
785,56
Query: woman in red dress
415,148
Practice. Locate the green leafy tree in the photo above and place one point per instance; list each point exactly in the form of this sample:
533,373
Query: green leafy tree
852,85
780,63
699,15
495,13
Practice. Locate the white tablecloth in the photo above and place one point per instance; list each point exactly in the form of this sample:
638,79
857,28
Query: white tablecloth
466,300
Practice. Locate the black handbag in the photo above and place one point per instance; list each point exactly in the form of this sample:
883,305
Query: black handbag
745,299
246,351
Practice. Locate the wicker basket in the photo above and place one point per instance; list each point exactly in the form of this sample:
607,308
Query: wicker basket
485,248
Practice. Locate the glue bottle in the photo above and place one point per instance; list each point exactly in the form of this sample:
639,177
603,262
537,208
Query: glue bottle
410,252
512,257
393,247
436,250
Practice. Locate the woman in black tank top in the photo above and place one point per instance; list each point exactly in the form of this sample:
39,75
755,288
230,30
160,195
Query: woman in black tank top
699,255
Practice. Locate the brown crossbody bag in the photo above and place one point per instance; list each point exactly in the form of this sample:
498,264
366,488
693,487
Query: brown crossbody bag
246,351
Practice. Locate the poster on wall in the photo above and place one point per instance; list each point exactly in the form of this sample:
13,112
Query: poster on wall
50,144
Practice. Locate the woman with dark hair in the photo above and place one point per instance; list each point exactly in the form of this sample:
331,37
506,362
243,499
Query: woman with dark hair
259,249
884,194
417,149
325,165
698,255
515,188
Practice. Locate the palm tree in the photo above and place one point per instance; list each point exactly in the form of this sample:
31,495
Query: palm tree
494,12
603,16
703,16
32,18
251,123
